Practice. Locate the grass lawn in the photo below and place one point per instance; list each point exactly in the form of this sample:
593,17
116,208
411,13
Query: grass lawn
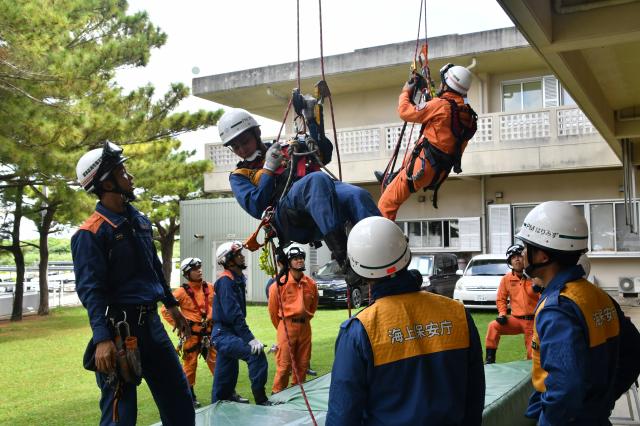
43,382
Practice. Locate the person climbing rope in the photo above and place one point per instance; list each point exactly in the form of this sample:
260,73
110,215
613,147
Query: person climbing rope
447,125
307,204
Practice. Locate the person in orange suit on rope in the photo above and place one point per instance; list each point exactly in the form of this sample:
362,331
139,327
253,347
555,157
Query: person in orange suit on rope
298,295
447,125
195,298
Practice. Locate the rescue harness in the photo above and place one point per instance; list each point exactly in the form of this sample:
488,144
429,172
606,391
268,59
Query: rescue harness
204,340
441,162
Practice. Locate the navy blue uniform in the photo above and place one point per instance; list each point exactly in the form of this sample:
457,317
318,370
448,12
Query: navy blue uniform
411,358
575,353
231,337
329,203
116,265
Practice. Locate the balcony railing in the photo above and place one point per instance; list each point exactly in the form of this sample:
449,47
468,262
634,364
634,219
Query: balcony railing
494,129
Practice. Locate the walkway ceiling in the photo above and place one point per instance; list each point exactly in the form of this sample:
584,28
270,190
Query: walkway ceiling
593,46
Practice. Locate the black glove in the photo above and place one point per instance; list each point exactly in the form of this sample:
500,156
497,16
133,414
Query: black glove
502,319
409,86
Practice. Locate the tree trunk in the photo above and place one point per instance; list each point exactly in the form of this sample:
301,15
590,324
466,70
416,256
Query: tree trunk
18,256
44,228
166,238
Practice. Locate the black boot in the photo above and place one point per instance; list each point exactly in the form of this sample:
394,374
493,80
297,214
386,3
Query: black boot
238,398
380,175
261,397
337,242
196,404
491,356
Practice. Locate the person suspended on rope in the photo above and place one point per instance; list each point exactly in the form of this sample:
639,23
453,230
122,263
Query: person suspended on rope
410,358
447,125
295,305
231,336
195,298
308,205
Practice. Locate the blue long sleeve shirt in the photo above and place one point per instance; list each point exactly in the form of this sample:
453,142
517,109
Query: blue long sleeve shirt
421,387
115,262
230,306
579,372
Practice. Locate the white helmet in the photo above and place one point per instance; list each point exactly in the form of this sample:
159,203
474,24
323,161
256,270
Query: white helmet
295,250
456,77
586,264
377,248
227,250
233,123
94,166
188,264
555,225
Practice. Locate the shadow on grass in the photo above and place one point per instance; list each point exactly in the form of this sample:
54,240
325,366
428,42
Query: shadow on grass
58,321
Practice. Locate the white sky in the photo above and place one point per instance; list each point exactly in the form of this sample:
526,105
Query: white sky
225,36
219,36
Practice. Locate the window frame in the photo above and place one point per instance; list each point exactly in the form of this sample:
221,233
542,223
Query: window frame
423,224
586,206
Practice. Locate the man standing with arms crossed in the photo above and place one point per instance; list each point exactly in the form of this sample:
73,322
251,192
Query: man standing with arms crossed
519,290
291,311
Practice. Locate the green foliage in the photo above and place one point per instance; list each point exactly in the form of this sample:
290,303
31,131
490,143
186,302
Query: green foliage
58,100
266,260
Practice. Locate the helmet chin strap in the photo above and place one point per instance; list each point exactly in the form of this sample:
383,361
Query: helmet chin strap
127,195
254,156
298,269
528,270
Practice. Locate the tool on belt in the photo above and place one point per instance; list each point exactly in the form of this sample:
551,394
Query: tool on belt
128,360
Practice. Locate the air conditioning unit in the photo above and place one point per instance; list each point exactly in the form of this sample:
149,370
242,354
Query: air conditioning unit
629,285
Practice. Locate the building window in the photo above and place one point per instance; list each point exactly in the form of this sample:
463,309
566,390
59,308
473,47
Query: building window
534,93
608,232
441,233
521,96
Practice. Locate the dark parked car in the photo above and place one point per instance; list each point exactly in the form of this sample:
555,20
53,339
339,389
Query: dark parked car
332,288
438,271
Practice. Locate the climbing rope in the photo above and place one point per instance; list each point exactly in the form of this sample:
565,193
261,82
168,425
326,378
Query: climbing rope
421,58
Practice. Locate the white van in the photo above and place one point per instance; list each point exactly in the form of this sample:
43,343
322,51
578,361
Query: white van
478,286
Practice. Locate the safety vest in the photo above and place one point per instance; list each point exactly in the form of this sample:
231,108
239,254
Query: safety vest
598,312
253,170
426,324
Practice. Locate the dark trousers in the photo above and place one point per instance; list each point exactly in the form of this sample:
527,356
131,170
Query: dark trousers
331,204
232,348
163,373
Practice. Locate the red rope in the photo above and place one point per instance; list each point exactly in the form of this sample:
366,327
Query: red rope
298,35
333,119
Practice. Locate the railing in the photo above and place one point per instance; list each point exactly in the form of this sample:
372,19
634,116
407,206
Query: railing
556,123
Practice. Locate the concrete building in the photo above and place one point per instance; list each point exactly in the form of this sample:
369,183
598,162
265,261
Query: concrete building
533,144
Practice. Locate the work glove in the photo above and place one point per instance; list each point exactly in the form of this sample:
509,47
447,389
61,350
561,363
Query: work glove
256,346
502,319
409,86
274,157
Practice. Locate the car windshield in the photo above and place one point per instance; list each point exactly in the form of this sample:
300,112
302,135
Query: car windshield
487,267
424,264
329,270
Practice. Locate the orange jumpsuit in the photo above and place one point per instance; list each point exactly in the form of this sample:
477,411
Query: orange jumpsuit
299,304
523,300
193,313
437,116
